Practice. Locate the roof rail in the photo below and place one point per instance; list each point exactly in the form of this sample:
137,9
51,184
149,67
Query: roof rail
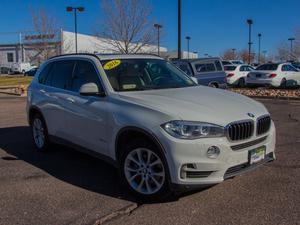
103,54
70,54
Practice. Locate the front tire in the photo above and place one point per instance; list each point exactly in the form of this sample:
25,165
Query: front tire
39,133
144,171
283,83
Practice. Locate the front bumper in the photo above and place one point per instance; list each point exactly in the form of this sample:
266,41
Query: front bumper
190,155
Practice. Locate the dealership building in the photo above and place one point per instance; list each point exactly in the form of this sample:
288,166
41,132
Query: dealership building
29,48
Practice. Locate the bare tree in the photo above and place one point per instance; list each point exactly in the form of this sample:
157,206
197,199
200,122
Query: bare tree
244,55
45,41
229,54
126,26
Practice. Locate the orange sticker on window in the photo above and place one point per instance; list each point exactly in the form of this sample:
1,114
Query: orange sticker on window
112,64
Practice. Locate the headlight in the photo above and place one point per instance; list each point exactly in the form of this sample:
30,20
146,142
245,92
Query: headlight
192,130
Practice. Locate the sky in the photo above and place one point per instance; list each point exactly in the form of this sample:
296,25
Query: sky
213,25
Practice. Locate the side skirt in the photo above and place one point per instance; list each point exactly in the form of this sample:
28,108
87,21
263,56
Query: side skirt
79,148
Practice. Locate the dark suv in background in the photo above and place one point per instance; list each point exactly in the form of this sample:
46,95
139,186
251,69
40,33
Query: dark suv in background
208,71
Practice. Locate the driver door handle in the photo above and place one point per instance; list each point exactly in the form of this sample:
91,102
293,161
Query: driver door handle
71,100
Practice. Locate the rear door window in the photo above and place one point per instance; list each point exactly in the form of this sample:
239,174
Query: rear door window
205,67
218,65
44,73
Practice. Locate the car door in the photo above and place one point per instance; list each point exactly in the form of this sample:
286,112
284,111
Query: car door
294,75
86,116
54,80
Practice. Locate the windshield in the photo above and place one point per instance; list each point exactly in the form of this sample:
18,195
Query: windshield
144,74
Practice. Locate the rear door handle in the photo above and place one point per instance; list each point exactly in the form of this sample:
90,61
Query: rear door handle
42,91
71,100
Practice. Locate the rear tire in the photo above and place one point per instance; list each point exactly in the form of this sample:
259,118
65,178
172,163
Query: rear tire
143,171
39,133
213,85
241,83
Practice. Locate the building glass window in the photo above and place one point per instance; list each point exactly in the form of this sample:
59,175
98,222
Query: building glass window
10,57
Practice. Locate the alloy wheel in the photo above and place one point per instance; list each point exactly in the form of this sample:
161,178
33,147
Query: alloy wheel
144,171
38,132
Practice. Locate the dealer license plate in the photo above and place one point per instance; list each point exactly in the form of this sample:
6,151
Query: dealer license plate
257,155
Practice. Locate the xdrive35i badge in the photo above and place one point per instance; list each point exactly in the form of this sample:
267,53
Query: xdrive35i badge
251,115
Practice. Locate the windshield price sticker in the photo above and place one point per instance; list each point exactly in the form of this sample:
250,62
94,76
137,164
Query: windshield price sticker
112,64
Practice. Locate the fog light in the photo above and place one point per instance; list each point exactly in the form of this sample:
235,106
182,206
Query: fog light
213,152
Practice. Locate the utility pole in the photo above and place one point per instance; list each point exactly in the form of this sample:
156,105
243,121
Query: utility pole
259,39
249,22
75,9
158,26
291,50
188,38
233,53
179,29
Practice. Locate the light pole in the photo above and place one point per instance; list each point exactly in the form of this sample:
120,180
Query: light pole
233,53
249,22
179,29
291,40
259,39
188,38
157,26
75,9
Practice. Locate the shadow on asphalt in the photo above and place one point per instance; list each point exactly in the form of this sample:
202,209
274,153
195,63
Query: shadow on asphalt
66,164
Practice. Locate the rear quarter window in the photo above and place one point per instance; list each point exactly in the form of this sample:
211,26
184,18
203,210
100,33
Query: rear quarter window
44,73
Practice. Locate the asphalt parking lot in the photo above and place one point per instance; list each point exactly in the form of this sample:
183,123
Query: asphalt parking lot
67,187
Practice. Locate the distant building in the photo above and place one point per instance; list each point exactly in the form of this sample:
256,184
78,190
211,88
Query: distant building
30,49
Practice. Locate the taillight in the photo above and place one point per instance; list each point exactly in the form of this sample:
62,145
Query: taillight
230,75
272,75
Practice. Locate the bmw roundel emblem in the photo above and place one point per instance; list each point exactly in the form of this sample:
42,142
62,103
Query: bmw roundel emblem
251,115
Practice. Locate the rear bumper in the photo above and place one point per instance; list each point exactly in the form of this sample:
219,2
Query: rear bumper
264,82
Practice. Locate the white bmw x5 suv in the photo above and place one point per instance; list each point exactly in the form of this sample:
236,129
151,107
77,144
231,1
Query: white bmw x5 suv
145,116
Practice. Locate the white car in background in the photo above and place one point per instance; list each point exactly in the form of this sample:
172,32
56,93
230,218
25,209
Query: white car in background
275,75
21,67
236,74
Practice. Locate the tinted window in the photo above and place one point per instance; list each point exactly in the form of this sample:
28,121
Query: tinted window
288,68
44,73
229,68
243,68
84,73
218,65
185,68
60,74
226,63
208,67
267,67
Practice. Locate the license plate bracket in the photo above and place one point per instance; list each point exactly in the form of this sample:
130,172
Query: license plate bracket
257,155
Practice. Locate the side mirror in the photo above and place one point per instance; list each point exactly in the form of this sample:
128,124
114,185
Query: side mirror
194,79
90,89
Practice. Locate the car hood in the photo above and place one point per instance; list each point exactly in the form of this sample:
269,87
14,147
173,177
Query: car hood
198,103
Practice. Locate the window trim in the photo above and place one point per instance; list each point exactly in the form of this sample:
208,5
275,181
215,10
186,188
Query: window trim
73,59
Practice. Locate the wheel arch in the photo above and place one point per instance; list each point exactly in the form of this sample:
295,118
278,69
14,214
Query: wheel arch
128,132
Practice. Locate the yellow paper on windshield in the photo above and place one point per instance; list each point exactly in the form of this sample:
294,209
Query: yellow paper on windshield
112,64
